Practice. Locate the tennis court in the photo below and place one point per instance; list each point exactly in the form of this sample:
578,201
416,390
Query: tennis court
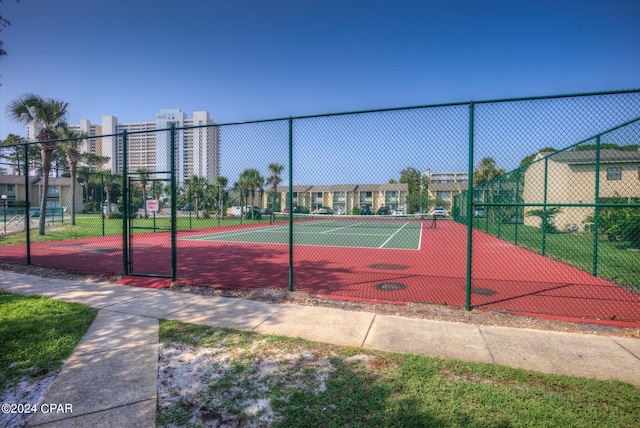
332,231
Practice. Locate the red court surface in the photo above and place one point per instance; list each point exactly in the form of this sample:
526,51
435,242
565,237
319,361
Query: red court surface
505,277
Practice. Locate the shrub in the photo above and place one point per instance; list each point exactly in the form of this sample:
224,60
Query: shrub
621,225
253,214
114,215
549,227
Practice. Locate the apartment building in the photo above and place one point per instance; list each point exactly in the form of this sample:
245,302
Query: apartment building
445,185
148,143
343,198
571,179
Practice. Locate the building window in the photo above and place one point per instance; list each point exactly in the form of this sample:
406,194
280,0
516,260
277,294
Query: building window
53,191
614,173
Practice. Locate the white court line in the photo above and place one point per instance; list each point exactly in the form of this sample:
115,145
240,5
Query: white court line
219,236
385,242
340,228
420,240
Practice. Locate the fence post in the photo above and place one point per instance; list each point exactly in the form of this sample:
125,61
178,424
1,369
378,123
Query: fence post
469,209
516,200
544,208
27,205
102,214
125,207
596,212
290,204
174,252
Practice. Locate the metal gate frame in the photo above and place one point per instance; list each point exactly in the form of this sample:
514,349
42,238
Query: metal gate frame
127,228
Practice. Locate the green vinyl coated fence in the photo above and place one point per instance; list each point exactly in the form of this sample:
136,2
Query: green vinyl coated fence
528,205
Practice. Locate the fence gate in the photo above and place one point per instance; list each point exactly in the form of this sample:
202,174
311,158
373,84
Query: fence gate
151,228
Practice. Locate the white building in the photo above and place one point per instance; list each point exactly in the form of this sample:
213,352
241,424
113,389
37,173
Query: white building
197,147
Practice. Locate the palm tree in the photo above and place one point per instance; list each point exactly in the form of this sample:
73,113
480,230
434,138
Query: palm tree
275,169
253,181
109,182
71,148
221,183
486,170
144,179
195,188
48,116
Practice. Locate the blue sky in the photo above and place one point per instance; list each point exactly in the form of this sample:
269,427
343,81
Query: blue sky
247,60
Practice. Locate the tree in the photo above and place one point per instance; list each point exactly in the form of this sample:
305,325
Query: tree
221,183
195,189
252,181
15,153
4,23
411,177
486,170
94,161
275,169
143,175
417,186
110,181
71,148
528,159
547,218
48,115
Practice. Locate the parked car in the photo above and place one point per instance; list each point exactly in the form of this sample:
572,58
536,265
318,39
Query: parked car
298,209
265,211
188,208
397,212
365,210
478,213
322,210
439,212
383,211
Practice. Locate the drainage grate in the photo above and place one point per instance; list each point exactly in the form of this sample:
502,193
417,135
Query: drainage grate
386,266
390,286
483,291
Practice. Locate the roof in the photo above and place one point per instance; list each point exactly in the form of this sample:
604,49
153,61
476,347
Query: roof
334,188
589,156
297,189
19,179
402,187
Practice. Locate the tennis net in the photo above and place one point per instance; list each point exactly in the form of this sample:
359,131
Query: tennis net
357,221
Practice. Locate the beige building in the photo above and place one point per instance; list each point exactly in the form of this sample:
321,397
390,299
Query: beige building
343,198
571,180
443,186
58,195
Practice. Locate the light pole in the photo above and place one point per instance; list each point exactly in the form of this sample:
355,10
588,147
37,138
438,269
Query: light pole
4,211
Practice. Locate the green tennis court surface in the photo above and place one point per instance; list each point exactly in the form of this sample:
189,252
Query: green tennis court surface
398,233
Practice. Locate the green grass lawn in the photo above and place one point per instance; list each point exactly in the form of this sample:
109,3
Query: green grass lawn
247,379
92,225
617,261
37,334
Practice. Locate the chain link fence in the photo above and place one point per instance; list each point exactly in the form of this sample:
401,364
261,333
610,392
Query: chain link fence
528,205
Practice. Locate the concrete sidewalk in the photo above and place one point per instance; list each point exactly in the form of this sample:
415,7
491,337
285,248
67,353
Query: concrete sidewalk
111,378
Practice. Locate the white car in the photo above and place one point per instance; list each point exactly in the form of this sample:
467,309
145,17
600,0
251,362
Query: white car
439,212
398,212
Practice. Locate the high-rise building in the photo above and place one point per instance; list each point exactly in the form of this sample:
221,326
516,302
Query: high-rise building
197,144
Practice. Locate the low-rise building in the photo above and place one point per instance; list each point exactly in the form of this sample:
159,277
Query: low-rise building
58,194
571,179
